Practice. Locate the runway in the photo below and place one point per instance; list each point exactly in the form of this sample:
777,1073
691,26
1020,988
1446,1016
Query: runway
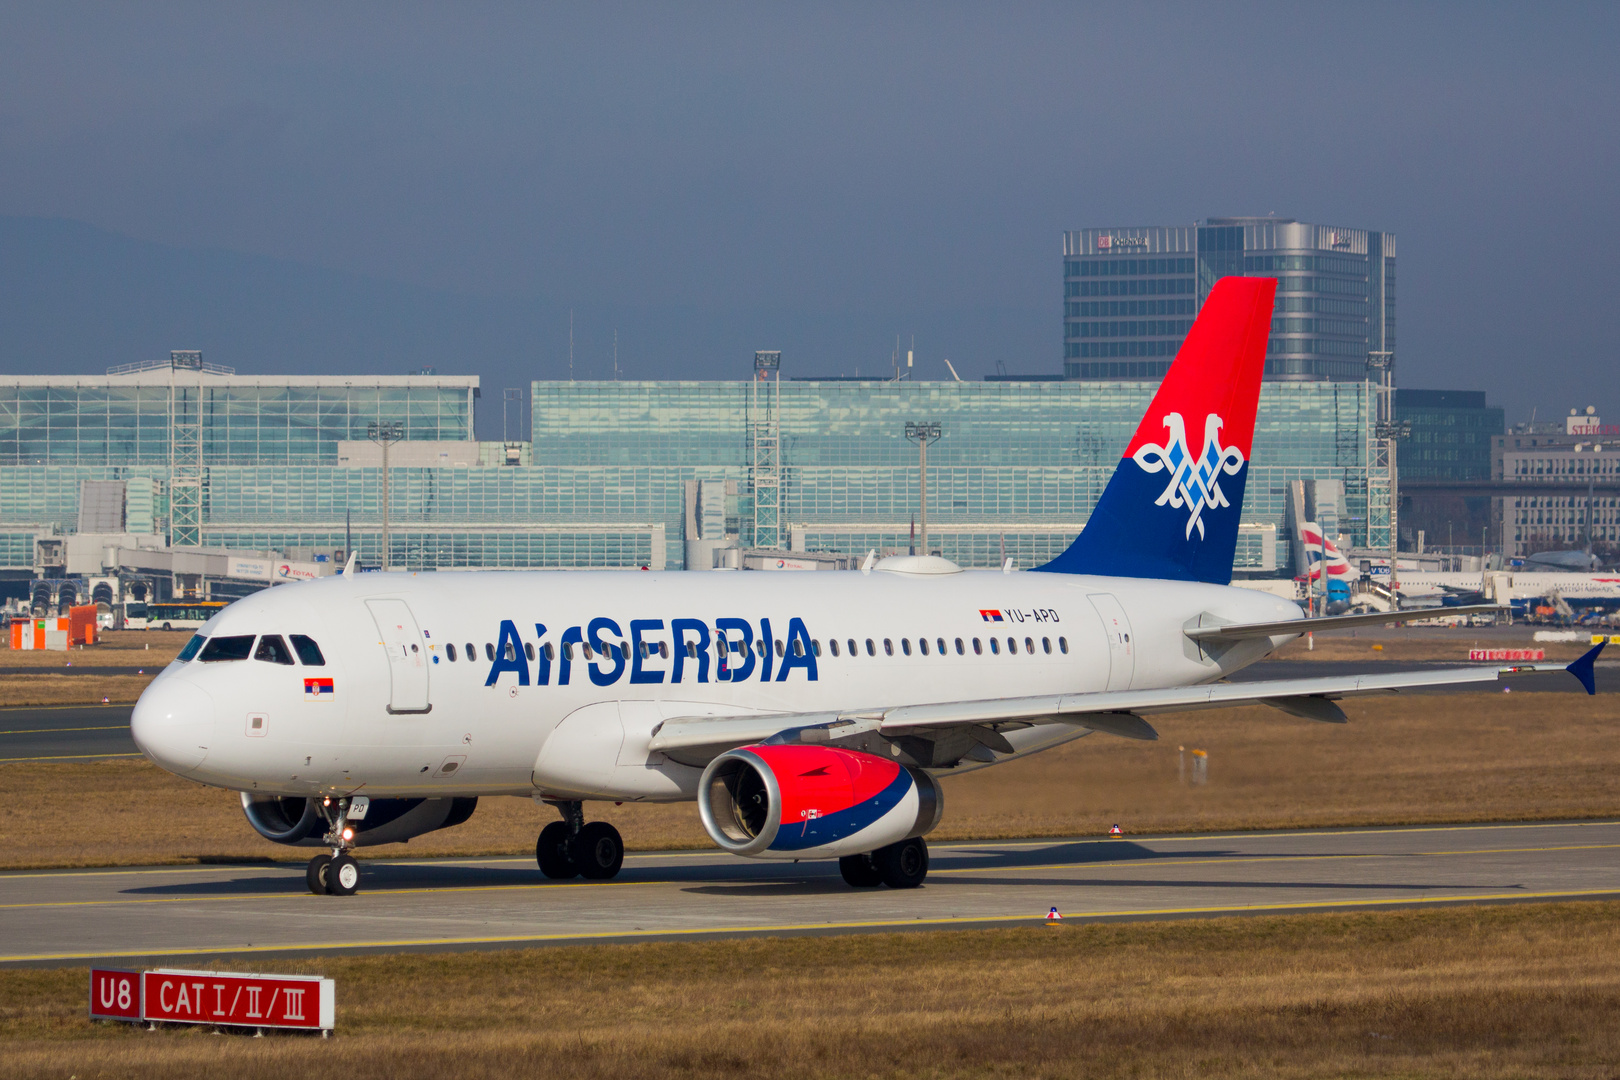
85,733
66,733
166,914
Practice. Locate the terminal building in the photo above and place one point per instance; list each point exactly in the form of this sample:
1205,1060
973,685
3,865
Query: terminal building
177,475
1130,295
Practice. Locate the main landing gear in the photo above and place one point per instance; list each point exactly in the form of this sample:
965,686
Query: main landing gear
574,847
336,874
899,866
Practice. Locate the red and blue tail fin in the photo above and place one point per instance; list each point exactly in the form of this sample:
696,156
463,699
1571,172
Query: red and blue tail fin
1171,509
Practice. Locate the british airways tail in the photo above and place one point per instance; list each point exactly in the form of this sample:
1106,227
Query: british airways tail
1171,509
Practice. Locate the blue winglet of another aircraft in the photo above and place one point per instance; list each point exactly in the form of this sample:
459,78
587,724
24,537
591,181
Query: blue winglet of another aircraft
1582,669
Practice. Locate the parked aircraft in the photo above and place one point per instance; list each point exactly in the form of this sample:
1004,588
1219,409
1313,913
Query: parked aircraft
808,715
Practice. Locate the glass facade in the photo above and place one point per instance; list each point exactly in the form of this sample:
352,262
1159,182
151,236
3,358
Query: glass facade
1129,295
604,482
1451,434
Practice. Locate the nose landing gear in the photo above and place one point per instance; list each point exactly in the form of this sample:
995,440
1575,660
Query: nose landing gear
574,847
337,874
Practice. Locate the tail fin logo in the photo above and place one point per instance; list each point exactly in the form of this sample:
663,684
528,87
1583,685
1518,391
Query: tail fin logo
1194,482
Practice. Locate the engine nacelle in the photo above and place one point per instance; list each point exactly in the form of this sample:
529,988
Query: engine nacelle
389,821
813,802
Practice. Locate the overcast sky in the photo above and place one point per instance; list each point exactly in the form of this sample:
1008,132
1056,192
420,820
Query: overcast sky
711,179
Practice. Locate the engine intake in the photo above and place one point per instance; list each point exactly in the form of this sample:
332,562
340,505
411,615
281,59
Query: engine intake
389,821
797,802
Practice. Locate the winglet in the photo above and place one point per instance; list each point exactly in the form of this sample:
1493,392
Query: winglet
1582,669
348,569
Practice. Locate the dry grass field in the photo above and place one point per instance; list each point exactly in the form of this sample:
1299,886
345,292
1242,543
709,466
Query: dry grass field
78,681
1462,757
1520,991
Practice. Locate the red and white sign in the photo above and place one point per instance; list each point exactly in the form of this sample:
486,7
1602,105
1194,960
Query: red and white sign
115,995
1507,654
299,1002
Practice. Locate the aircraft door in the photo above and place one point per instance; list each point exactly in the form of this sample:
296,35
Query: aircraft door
407,656
1121,652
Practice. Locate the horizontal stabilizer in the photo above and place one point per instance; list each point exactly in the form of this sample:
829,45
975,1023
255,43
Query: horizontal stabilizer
1241,631
1584,669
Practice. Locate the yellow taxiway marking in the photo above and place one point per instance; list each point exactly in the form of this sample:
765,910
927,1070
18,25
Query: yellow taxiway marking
952,845
53,730
421,890
785,928
68,757
59,708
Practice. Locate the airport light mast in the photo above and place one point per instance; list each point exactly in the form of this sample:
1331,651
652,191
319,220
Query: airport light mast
922,433
385,434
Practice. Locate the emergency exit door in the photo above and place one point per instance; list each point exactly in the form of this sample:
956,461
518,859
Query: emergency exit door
1121,653
407,656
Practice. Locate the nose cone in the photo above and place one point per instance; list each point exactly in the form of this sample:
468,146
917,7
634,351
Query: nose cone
173,724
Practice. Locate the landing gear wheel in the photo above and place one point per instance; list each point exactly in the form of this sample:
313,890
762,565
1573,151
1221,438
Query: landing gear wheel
903,865
551,852
315,875
343,876
598,851
860,871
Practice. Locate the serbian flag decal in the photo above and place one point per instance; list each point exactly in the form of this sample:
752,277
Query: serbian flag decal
990,614
317,689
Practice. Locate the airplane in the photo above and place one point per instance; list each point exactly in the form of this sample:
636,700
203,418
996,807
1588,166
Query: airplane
809,716
1322,553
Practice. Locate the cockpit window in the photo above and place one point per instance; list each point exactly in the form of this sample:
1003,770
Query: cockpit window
272,650
191,648
309,653
226,648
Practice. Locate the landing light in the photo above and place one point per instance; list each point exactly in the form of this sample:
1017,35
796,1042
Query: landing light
348,834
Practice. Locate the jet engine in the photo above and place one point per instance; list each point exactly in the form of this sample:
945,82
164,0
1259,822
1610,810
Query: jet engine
388,821
815,802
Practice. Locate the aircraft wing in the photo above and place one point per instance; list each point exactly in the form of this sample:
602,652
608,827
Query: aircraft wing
1239,631
1121,713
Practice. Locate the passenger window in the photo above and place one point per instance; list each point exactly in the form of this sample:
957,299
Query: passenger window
1046,644
568,650
798,646
1063,645
511,651
941,643
888,646
978,649
691,650
489,652
663,649
472,651
815,645
272,650
1029,646
191,648
905,645
959,649
226,648
551,653
852,649
779,647
871,650
995,646
450,652
585,649
528,650
922,645
834,643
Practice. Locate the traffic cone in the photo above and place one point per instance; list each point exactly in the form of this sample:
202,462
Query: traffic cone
1053,916
1116,831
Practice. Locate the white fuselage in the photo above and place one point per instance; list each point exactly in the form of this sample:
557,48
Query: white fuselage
403,719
